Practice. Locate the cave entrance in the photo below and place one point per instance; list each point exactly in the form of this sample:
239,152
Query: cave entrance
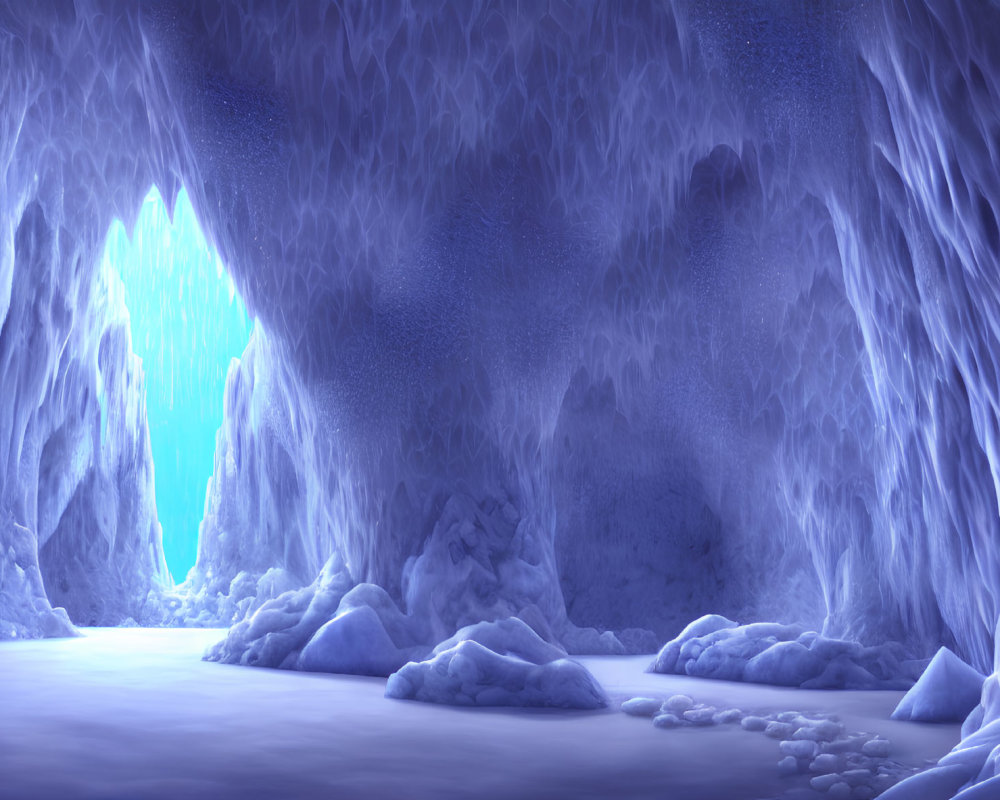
187,323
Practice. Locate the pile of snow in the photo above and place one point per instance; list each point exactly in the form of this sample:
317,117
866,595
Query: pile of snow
325,627
275,634
503,663
329,626
369,635
947,691
785,655
508,637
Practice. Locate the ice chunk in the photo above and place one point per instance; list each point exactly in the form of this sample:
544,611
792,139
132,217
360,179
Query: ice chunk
948,691
700,716
857,777
470,674
678,703
876,748
788,766
800,748
779,730
839,791
641,707
728,715
822,783
826,762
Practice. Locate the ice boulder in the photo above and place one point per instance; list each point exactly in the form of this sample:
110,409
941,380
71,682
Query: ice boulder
947,691
470,674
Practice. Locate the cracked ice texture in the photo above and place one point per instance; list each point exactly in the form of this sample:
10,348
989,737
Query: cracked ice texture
625,314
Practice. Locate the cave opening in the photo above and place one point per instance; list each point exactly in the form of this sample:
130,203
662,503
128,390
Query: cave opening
188,323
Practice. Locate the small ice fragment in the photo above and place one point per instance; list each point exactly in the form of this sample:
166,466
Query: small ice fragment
700,716
839,791
822,783
779,730
876,748
641,707
788,766
752,723
825,762
801,748
729,715
678,704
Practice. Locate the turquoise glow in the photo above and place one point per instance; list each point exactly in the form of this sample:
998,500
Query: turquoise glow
187,323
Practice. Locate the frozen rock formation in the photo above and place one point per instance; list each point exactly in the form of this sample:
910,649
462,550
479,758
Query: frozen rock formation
786,655
947,691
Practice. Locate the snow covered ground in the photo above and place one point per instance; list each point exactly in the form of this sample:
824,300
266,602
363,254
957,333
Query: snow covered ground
134,713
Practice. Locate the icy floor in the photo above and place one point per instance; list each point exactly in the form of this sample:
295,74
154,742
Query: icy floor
127,714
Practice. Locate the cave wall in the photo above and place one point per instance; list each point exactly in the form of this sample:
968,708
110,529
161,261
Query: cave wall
78,526
627,314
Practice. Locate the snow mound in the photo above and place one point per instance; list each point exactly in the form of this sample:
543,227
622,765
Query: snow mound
368,636
274,635
947,691
501,663
784,655
511,636
472,675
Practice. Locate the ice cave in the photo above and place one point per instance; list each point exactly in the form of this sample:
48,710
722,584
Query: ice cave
500,399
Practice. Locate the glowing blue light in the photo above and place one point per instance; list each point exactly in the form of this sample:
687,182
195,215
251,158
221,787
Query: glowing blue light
187,324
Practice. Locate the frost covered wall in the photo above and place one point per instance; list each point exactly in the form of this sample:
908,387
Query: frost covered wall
78,526
627,314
